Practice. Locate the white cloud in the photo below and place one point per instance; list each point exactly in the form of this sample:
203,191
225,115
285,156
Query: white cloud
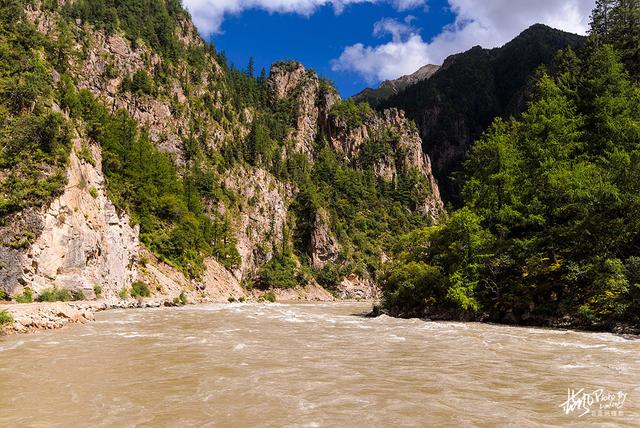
208,15
489,23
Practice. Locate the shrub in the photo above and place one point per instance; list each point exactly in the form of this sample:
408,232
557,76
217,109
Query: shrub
93,192
77,295
353,114
269,296
5,318
4,295
25,297
84,154
124,294
60,295
140,289
183,298
330,276
97,290
280,272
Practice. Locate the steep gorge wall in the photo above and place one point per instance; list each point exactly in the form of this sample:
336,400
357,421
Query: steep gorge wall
82,241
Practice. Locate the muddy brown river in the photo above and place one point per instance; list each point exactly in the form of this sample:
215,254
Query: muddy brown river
313,365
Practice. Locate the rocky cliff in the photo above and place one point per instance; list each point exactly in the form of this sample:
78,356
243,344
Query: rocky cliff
100,233
79,241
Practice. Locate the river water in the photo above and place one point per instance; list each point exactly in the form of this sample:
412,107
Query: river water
303,365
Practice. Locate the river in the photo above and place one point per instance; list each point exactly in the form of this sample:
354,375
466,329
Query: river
307,365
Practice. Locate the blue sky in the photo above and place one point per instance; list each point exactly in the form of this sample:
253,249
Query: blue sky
318,39
358,43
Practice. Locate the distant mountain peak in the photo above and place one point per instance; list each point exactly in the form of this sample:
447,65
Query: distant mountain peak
389,88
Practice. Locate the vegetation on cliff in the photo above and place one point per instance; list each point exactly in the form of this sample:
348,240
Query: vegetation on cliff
146,58
550,226
458,103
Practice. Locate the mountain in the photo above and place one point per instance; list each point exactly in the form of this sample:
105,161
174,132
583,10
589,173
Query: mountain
389,88
457,104
134,158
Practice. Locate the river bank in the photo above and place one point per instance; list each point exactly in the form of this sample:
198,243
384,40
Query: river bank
31,317
566,322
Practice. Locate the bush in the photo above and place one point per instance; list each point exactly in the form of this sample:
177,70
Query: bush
140,289
60,295
330,276
97,290
77,295
181,300
6,318
25,297
4,295
124,294
353,114
279,272
269,296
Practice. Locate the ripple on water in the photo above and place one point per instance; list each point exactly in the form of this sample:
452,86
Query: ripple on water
305,365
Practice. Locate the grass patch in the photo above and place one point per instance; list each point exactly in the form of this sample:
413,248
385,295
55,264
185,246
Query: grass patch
25,297
60,295
6,318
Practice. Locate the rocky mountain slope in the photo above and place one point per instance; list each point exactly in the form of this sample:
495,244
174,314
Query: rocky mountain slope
388,88
456,105
172,170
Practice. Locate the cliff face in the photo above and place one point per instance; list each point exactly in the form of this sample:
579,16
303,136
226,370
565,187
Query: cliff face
406,152
312,98
314,118
79,242
192,112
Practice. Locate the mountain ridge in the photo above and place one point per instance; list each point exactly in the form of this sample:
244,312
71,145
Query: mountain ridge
389,88
456,105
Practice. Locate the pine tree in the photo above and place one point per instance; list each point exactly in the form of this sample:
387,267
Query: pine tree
617,22
600,19
251,68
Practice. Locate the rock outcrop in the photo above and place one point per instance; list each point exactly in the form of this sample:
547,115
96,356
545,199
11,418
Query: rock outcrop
80,241
261,216
324,247
312,97
354,287
314,101
103,66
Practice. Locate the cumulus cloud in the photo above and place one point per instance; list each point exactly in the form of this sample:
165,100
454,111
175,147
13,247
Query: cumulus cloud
208,15
489,23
